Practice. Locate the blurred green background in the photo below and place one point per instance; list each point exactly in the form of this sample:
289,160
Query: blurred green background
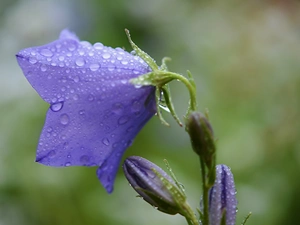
245,57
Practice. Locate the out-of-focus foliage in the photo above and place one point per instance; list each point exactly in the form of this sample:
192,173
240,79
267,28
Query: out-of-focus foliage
245,57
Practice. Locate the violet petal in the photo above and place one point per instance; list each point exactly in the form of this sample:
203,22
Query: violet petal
95,113
222,197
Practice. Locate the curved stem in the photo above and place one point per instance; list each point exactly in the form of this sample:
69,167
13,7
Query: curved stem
190,87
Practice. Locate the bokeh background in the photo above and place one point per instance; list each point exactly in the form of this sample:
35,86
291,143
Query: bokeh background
245,58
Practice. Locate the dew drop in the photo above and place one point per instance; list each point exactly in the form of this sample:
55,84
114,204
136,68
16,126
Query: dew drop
129,129
119,58
136,71
51,154
61,58
76,79
84,159
117,108
43,68
123,119
75,97
124,62
68,164
72,47
136,106
98,45
64,119
80,62
57,106
94,66
164,108
116,144
32,60
111,69
105,141
106,56
138,86
91,98
46,52
81,112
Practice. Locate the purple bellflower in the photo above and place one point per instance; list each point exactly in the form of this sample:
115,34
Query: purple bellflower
95,112
139,173
222,197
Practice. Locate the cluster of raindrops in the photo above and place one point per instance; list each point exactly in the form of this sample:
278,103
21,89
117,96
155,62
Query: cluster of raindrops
68,53
69,63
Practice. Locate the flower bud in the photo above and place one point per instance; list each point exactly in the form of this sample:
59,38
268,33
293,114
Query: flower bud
201,134
222,198
153,184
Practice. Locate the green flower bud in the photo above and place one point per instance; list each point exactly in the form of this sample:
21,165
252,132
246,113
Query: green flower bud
201,134
154,185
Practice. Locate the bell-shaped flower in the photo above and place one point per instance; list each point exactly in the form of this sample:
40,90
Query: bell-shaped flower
222,198
95,112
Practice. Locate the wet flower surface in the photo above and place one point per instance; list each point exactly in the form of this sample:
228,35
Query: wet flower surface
222,197
139,173
95,112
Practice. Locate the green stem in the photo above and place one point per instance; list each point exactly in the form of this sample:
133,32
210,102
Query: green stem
190,87
189,215
205,194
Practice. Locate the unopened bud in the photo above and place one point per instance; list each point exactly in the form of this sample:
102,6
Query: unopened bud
153,184
222,198
201,134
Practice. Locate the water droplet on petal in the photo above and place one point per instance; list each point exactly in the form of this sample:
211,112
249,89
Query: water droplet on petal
61,58
91,98
32,60
51,154
105,141
84,159
56,106
117,108
106,56
136,71
76,79
64,119
68,164
124,62
123,119
98,45
111,69
129,129
116,144
94,66
81,112
76,97
46,52
43,68
71,47
80,62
